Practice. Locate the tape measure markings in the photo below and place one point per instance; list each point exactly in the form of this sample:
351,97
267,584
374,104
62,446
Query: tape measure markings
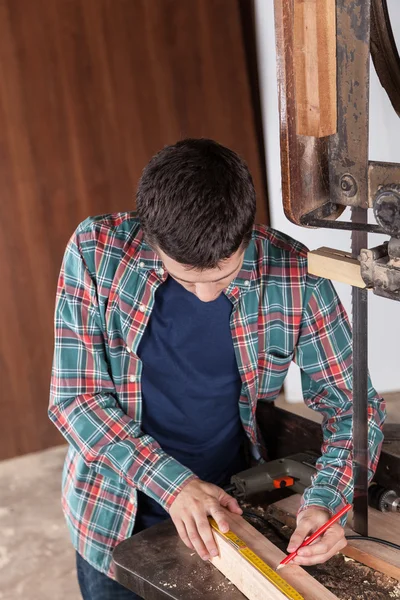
261,566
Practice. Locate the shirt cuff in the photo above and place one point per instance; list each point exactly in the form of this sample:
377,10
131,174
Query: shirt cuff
172,497
324,496
165,479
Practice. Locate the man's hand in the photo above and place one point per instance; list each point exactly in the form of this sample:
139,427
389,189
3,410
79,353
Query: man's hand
189,512
330,543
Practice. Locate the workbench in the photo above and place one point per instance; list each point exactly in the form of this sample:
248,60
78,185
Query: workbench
155,564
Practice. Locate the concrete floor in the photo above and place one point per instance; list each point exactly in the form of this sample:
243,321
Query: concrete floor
36,557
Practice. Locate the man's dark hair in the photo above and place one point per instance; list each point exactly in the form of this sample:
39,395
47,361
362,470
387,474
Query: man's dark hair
196,202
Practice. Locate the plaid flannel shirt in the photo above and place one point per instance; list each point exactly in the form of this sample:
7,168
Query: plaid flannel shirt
105,297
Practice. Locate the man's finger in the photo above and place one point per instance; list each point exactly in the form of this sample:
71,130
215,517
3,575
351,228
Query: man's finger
181,529
230,503
323,545
319,558
303,530
205,531
195,538
219,515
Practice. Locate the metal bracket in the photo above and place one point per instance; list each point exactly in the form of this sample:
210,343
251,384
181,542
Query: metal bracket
380,269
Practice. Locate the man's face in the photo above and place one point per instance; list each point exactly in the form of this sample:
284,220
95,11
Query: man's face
206,285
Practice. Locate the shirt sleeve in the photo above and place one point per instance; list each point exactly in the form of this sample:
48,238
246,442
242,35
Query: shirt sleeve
83,401
324,355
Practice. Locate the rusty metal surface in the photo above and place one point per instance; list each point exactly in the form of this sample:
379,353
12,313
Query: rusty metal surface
348,148
156,565
384,52
381,174
360,385
380,269
304,160
380,266
387,208
348,178
334,169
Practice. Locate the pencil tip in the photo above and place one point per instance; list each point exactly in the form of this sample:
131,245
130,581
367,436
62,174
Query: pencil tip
279,567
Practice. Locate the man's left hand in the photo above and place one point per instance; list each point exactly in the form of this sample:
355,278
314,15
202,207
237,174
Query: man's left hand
330,543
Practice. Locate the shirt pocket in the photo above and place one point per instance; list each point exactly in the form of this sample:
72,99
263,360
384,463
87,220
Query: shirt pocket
272,371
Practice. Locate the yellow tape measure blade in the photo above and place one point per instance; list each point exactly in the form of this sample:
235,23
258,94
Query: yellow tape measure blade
256,562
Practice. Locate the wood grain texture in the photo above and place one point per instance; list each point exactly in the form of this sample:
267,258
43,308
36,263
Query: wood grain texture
242,574
381,525
314,32
250,582
336,265
304,159
89,91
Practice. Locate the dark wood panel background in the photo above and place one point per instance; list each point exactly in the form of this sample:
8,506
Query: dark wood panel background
89,91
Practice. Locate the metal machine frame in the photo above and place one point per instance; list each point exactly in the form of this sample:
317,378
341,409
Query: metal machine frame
325,171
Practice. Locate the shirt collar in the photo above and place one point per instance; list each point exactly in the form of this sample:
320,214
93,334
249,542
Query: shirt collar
147,258
244,280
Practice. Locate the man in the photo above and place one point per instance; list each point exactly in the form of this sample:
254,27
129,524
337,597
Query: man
170,325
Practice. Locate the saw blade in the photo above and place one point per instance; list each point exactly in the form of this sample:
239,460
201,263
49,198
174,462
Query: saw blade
359,240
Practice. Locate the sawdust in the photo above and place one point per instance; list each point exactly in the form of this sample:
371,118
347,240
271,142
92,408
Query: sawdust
350,580
167,584
223,587
343,576
198,580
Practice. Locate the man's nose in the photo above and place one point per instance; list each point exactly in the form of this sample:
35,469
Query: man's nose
207,292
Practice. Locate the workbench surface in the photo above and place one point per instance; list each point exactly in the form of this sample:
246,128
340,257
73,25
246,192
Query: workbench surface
155,564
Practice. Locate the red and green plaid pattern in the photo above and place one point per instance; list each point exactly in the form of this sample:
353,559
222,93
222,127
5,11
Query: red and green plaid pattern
105,297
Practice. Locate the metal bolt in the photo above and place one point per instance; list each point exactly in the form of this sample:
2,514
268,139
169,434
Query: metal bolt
348,185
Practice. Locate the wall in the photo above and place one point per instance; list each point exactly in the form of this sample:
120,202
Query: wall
89,90
384,325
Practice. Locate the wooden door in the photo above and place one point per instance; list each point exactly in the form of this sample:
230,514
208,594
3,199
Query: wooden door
89,91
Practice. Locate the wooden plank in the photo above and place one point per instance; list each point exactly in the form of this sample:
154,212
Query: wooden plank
252,583
381,525
315,67
336,265
241,573
382,559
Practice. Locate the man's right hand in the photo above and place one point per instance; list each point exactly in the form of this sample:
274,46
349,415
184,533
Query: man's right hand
190,510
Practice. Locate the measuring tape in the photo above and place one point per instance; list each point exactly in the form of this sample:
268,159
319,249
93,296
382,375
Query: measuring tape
258,564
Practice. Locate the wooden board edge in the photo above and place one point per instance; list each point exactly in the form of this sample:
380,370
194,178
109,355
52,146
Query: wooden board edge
295,576
336,265
240,573
370,560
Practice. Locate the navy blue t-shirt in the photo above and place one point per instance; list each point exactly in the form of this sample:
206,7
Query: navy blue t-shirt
190,388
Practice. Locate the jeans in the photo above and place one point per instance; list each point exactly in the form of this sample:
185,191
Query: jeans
97,586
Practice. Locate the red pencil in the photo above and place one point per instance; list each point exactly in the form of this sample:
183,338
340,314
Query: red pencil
315,535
